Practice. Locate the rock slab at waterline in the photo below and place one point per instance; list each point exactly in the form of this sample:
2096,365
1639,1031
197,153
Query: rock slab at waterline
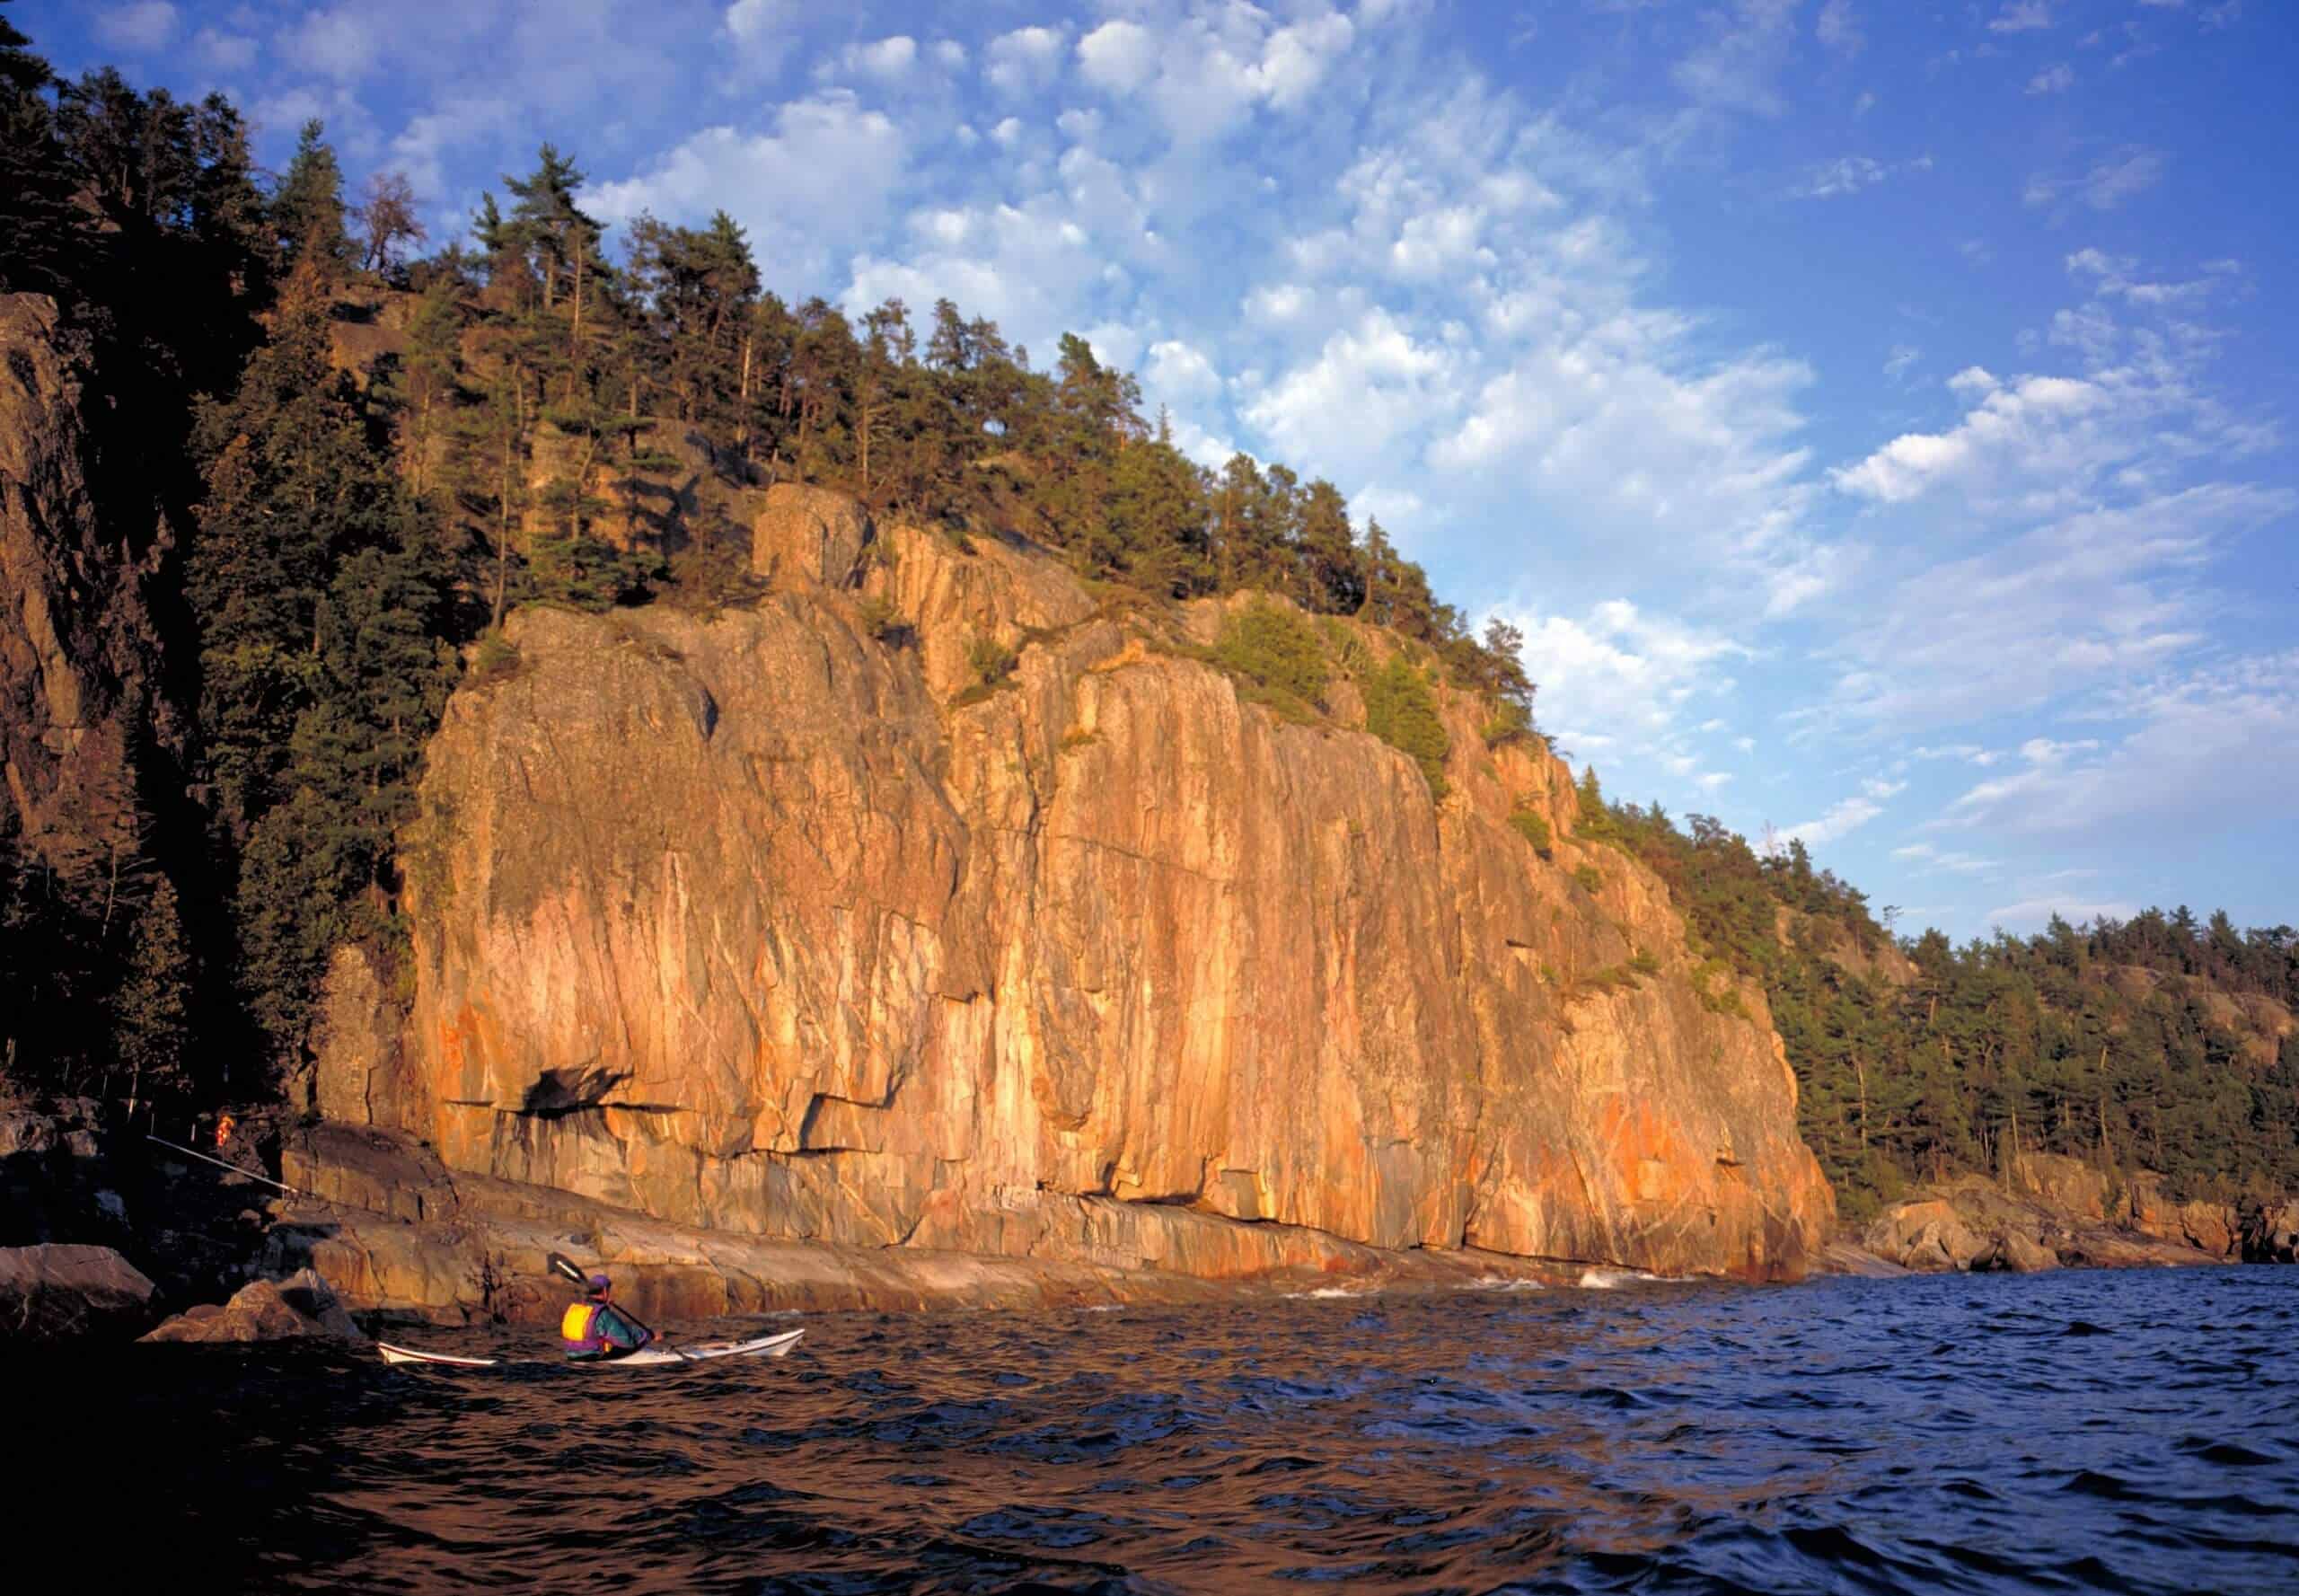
775,920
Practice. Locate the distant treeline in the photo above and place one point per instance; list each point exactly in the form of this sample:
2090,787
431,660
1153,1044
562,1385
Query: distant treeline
1917,1058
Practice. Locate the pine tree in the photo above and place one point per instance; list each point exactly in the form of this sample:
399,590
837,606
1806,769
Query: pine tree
150,1008
307,213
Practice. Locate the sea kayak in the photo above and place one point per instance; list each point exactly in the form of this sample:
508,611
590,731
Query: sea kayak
765,1346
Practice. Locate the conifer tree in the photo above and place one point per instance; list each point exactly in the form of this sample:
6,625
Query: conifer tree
307,213
150,1008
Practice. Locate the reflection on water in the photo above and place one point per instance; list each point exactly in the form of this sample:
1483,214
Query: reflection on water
2133,1432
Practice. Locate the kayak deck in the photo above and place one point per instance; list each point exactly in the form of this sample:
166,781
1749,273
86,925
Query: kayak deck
776,1345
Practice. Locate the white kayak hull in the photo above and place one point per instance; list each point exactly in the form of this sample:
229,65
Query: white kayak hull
777,1345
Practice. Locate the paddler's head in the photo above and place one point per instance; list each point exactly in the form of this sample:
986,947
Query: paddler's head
600,1288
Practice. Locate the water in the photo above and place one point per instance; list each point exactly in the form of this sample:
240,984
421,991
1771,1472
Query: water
2072,1431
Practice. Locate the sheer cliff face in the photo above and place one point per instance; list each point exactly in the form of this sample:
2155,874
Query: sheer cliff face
763,922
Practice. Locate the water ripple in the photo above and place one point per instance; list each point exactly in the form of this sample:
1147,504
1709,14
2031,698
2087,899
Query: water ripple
2076,1431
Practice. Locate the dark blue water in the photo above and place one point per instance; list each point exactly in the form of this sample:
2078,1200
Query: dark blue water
2072,1431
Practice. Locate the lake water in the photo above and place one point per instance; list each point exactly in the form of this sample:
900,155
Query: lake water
2070,1432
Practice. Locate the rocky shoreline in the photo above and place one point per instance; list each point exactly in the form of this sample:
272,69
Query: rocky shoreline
376,1229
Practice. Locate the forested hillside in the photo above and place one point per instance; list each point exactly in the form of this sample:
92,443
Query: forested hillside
2162,1041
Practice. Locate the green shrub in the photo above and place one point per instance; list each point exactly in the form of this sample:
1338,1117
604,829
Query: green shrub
1645,964
495,659
881,622
990,660
1533,829
1510,722
1587,876
1401,710
1275,649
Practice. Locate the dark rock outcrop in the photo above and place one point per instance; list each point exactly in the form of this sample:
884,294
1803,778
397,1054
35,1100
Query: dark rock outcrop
301,1307
59,1293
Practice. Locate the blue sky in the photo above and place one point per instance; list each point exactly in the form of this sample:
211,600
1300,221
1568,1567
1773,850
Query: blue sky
1876,415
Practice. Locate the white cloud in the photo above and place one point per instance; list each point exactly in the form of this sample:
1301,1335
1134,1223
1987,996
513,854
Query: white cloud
2022,424
2106,185
1903,358
820,179
1202,73
1849,174
1119,57
887,59
1844,817
142,28
223,52
1371,383
1179,372
1736,66
2216,745
2095,597
1838,29
2031,914
2021,16
2053,80
1623,669
340,43
1026,59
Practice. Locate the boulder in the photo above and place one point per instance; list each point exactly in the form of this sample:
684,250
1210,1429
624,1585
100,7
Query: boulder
2014,1251
1926,1235
59,1293
302,1306
2271,1234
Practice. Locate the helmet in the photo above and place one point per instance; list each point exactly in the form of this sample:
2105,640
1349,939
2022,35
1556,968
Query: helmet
599,1284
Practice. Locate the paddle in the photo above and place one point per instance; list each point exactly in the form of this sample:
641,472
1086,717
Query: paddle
561,1264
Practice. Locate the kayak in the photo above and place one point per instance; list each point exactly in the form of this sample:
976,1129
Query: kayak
765,1346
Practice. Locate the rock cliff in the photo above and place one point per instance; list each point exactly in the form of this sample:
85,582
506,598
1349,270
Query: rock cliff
75,641
795,920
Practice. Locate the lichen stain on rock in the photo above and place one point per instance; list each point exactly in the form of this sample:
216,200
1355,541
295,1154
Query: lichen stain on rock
870,955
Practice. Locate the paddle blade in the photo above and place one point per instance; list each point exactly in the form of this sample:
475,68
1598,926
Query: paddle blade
560,1263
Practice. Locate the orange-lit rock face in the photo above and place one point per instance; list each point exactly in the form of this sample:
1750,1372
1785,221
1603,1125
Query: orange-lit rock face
759,921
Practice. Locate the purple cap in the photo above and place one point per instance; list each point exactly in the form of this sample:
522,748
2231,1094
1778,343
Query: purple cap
600,1282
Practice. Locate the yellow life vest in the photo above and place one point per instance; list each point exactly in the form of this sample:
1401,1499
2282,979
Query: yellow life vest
575,1327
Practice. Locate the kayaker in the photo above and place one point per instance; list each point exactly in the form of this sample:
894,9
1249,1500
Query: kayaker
595,1328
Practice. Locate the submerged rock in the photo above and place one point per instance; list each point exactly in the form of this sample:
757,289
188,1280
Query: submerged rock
60,1292
302,1306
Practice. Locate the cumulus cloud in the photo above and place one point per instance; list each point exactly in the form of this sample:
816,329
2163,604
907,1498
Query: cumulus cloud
887,59
818,179
1026,59
2053,80
1202,73
1371,383
1623,670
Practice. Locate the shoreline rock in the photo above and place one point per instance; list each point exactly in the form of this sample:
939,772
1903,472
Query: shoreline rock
301,1307
56,1292
1971,1224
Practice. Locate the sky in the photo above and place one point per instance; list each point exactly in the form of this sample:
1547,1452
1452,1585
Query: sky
1877,415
